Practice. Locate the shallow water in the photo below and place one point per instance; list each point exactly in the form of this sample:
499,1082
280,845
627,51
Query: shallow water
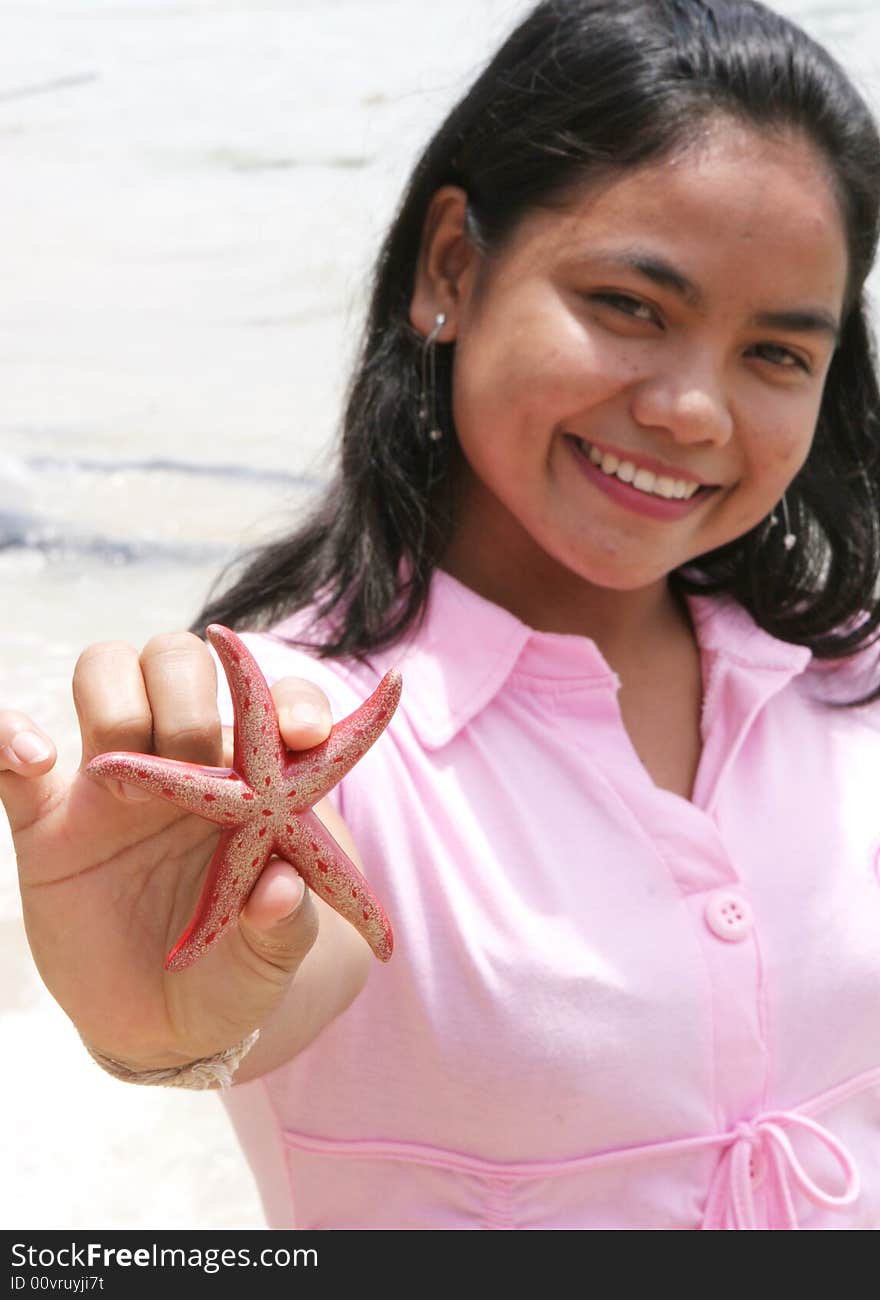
192,195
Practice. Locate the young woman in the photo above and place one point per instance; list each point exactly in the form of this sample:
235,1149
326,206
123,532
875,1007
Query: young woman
608,496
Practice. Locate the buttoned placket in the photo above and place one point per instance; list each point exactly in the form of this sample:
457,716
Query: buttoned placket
758,1170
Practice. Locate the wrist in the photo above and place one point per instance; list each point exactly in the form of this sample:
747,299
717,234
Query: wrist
214,1071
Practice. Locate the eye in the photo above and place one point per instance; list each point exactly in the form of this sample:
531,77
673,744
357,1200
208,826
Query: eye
627,306
781,357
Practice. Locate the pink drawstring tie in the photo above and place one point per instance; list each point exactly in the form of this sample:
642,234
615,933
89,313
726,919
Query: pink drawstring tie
761,1149
751,1153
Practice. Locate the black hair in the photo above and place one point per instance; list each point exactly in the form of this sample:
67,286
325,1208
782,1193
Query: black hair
585,89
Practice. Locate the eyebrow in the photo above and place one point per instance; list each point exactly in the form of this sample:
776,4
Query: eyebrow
655,269
809,320
801,320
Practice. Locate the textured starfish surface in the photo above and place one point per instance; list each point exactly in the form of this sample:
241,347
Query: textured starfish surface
264,801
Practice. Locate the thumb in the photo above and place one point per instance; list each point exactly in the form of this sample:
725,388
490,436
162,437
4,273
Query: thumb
28,783
279,922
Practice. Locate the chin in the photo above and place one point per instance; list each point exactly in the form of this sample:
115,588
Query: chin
615,571
630,582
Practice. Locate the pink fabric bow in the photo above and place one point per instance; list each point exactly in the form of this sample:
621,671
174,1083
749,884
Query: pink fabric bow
760,1150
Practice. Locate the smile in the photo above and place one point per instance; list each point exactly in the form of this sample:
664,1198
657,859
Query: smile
638,489
643,480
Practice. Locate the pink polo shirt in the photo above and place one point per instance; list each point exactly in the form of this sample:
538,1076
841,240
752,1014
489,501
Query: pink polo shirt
608,1007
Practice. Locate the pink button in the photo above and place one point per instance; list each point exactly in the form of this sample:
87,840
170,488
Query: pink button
729,916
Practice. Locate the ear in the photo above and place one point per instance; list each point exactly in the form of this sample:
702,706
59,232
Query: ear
446,266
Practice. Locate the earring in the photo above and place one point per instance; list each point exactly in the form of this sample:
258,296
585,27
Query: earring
789,539
428,398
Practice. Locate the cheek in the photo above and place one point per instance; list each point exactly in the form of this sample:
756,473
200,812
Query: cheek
493,399
778,455
778,436
773,455
527,386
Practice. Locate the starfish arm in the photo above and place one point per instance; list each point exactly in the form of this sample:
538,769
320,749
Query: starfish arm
315,771
266,781
214,793
240,856
259,751
331,874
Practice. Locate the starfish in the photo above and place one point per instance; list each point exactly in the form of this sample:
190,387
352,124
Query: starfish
264,801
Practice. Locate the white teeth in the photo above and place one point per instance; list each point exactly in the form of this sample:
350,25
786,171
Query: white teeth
661,485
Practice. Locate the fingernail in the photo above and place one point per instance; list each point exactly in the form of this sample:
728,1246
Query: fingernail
297,905
29,747
304,715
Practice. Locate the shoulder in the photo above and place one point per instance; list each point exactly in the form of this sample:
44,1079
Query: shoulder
830,684
726,630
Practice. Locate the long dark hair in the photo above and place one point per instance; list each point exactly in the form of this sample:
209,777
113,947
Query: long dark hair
584,89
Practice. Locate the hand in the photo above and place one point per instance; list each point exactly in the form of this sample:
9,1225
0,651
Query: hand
109,877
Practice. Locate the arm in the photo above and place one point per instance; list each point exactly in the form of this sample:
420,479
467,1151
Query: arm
108,880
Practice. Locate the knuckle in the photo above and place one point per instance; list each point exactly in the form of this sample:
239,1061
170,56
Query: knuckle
102,652
267,964
125,724
282,950
190,734
173,645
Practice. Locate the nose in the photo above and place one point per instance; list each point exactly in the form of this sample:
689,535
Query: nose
687,399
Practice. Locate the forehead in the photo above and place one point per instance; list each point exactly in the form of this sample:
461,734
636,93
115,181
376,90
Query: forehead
758,207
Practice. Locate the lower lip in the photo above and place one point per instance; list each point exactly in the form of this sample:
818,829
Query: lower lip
640,503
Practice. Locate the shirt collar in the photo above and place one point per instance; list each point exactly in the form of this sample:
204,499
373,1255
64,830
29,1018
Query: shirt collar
724,627
466,648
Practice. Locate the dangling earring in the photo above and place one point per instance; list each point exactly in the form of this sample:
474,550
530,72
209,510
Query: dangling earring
789,539
428,399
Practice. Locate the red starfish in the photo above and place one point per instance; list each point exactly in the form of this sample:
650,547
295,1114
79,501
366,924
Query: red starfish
263,801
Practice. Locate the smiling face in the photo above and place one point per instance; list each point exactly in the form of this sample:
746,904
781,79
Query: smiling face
670,329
